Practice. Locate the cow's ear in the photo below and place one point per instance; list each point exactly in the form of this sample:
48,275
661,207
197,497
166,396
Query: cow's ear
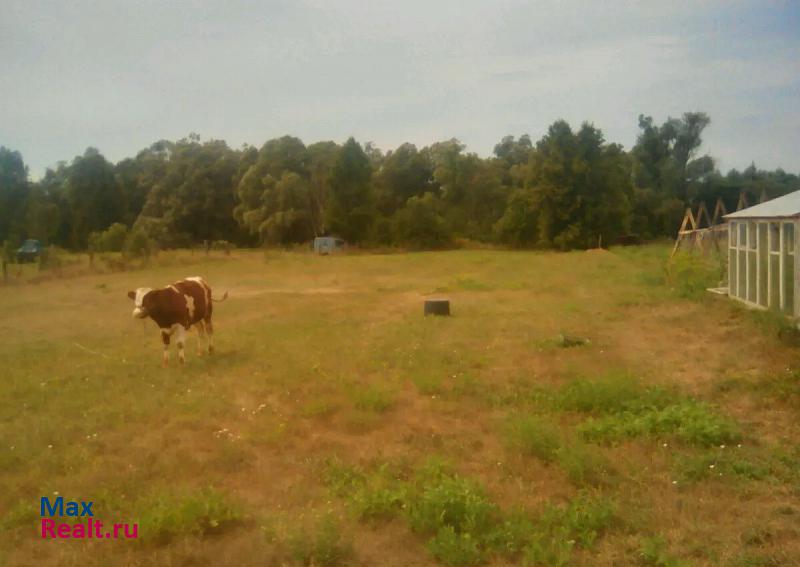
132,294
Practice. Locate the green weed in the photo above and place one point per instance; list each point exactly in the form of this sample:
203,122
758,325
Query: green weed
21,514
612,393
728,463
463,526
622,408
440,499
559,530
538,437
653,552
535,436
165,515
373,399
690,421
689,275
454,548
322,545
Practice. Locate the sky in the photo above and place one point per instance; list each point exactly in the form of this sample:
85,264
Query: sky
119,76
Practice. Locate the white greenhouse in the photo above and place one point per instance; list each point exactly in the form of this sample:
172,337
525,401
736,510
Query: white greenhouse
762,271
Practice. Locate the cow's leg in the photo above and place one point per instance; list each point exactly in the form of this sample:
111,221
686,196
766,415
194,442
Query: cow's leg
165,334
181,339
210,335
201,336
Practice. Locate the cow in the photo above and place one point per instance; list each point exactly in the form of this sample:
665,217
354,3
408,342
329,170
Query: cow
175,309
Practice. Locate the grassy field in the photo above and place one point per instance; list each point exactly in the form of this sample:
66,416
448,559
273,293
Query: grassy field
336,425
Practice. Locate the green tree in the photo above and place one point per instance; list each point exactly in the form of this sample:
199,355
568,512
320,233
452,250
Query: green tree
42,215
194,197
576,190
405,173
322,157
93,196
666,176
349,211
518,225
13,193
420,223
514,152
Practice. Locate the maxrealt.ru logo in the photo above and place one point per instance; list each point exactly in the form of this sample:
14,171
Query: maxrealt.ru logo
88,527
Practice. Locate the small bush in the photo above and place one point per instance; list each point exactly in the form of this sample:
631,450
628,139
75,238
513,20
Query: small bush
728,463
21,514
535,436
164,515
693,422
138,244
585,465
374,497
689,275
690,421
428,384
625,409
653,552
110,240
585,518
376,504
553,550
321,546
453,548
561,529
444,500
611,393
469,284
51,258
342,479
510,536
370,398
463,526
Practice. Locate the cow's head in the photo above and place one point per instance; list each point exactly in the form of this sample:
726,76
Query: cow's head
140,302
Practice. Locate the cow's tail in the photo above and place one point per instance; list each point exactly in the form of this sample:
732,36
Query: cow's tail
224,297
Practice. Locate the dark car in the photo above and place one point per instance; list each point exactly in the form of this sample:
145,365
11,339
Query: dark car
29,251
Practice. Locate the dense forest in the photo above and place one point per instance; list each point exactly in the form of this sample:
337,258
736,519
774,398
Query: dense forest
565,191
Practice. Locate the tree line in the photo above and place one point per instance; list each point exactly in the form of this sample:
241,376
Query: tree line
570,189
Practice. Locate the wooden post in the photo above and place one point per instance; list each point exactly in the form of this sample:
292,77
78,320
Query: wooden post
719,211
742,204
701,210
688,217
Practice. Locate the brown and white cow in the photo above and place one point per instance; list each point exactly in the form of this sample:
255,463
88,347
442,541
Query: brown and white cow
175,309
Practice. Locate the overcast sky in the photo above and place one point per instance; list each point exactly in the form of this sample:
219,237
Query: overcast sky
121,75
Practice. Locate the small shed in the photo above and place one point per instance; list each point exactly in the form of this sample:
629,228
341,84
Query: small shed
328,244
762,271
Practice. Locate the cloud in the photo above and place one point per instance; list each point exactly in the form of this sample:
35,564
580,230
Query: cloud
120,75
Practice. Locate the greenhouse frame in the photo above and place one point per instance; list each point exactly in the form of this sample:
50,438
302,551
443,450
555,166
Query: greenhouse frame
762,271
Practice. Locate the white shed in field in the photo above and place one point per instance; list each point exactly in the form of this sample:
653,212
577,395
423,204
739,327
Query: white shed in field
328,244
762,240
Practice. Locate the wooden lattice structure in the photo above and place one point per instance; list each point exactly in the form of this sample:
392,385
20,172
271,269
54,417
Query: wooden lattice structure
697,236
700,235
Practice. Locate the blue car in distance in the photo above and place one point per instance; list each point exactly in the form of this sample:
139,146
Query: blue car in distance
29,251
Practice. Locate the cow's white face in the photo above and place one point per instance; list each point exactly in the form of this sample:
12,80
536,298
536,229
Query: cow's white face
138,297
